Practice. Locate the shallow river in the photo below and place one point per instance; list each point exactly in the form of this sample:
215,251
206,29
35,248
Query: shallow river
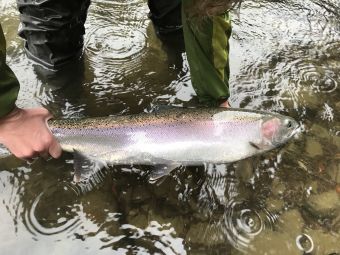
285,57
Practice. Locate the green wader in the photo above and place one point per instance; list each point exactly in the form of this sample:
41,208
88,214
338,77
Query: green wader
207,47
9,85
206,44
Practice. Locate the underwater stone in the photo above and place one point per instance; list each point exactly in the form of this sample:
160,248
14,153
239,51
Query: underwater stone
292,147
324,243
337,107
291,222
143,219
95,202
278,188
336,141
205,234
309,98
326,204
140,194
140,220
165,189
282,240
312,187
273,243
319,131
334,172
177,222
275,205
244,170
313,148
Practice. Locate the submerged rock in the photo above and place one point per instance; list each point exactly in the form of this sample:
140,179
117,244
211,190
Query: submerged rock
334,172
323,242
140,194
337,107
272,243
313,148
309,98
204,233
244,170
282,240
275,205
177,221
326,204
278,188
319,131
291,222
336,142
139,220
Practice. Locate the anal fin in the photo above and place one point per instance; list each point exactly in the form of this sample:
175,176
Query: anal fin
161,171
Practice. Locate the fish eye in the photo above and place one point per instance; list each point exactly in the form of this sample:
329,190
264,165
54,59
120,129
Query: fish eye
289,124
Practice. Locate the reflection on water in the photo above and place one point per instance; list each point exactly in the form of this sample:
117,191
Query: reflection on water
285,57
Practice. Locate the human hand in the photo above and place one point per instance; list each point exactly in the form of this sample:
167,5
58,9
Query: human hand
225,104
26,134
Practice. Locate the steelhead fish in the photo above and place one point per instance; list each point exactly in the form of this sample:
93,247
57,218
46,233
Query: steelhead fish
171,138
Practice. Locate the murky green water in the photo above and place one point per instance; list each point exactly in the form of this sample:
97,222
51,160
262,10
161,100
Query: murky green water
285,57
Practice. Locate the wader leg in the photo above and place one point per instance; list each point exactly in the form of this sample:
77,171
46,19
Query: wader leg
165,15
9,85
207,47
53,30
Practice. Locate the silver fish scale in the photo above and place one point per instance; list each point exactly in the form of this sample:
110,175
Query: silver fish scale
185,136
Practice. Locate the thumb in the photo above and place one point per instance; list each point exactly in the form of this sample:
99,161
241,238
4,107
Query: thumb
55,149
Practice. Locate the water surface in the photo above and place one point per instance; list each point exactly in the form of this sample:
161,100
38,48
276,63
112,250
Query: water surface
285,57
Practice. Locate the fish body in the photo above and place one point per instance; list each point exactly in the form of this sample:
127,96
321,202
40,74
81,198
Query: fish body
175,137
170,138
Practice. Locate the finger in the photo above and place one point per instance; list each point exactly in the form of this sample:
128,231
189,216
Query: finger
43,112
225,104
55,149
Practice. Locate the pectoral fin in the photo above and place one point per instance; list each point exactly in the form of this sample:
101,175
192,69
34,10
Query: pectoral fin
256,146
161,171
260,145
87,169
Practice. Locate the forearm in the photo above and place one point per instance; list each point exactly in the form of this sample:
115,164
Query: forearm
206,42
9,85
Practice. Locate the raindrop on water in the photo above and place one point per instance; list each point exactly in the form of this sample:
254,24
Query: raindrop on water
305,243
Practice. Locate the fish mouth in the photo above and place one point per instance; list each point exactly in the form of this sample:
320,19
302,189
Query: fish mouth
296,131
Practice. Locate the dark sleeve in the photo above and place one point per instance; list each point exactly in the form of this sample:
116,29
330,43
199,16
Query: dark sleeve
207,48
9,85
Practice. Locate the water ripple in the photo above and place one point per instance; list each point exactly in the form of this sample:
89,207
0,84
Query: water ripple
42,220
305,243
111,40
243,222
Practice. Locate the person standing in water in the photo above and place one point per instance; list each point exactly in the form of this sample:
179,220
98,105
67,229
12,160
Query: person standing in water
53,32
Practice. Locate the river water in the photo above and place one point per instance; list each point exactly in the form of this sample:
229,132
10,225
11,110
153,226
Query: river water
284,57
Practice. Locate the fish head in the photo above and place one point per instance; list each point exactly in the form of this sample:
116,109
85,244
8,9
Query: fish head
277,130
